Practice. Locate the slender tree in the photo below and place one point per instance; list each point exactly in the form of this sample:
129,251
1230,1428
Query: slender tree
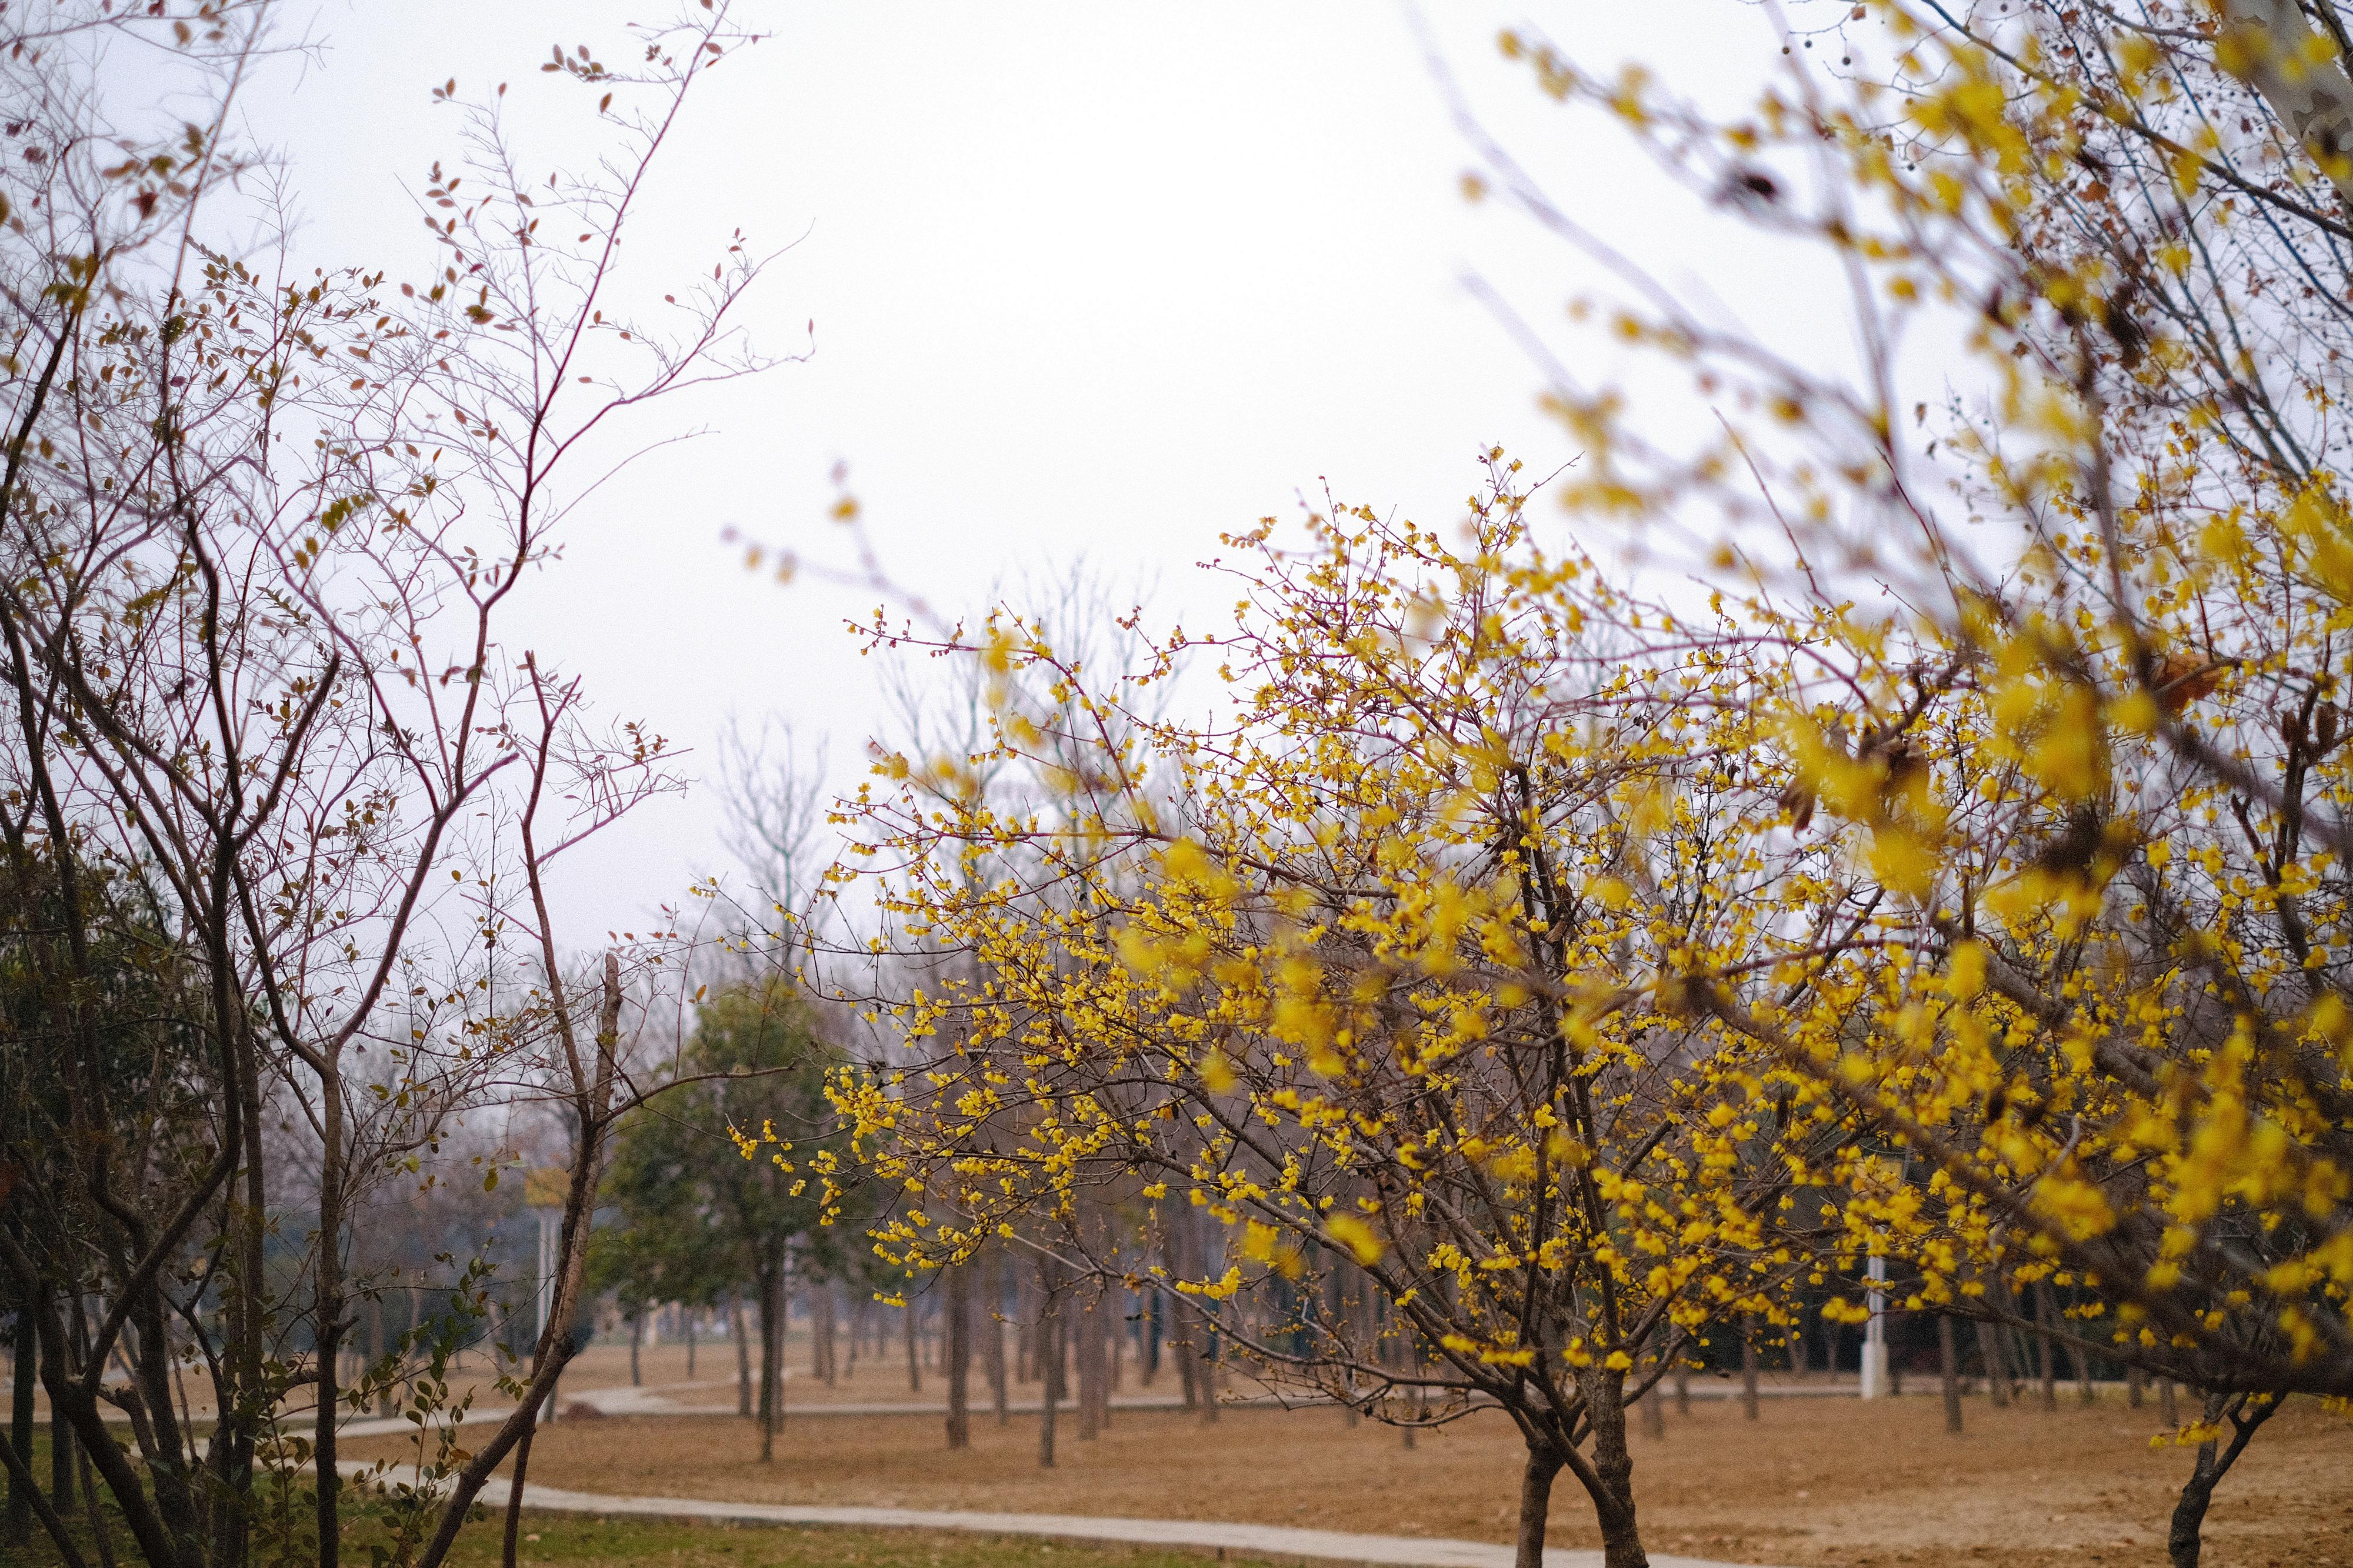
274,760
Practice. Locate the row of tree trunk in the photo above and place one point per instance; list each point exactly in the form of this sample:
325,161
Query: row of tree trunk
2010,1358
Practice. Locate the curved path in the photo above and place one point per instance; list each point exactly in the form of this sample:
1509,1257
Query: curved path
1262,1540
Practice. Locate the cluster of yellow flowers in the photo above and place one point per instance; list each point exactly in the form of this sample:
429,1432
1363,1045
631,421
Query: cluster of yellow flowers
2090,785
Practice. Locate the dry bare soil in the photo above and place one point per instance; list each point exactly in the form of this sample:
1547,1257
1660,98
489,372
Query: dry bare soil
1813,1481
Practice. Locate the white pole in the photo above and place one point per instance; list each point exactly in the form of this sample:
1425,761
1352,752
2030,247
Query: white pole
1874,1333
550,1228
547,1243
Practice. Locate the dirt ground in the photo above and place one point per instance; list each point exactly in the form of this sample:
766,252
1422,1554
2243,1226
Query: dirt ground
1813,1481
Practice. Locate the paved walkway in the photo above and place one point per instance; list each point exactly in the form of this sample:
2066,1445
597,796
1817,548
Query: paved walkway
1262,1540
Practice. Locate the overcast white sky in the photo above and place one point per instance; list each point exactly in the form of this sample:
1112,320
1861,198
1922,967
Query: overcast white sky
1099,279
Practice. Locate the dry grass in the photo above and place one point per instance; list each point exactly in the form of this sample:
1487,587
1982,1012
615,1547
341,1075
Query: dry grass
1814,1481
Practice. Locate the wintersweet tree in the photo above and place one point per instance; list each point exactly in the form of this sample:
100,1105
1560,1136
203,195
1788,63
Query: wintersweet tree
2088,768
1369,971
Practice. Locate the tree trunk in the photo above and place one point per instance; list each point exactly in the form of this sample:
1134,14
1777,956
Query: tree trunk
1115,1335
1748,1375
1025,1313
772,1334
327,1320
743,1353
1091,1364
247,1356
1683,1389
1091,1369
1107,1373
1348,1323
24,1486
1797,1356
1654,1413
2047,1360
1148,1354
2167,1410
914,1350
1205,1372
519,1481
1536,1506
1083,1366
784,1290
1612,1489
1182,1243
380,1344
832,1351
1948,1363
960,1354
75,1417
511,1538
1997,1363
2136,1384
2183,1539
1048,1360
100,1537
1173,1253
637,1343
20,1432
992,1329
